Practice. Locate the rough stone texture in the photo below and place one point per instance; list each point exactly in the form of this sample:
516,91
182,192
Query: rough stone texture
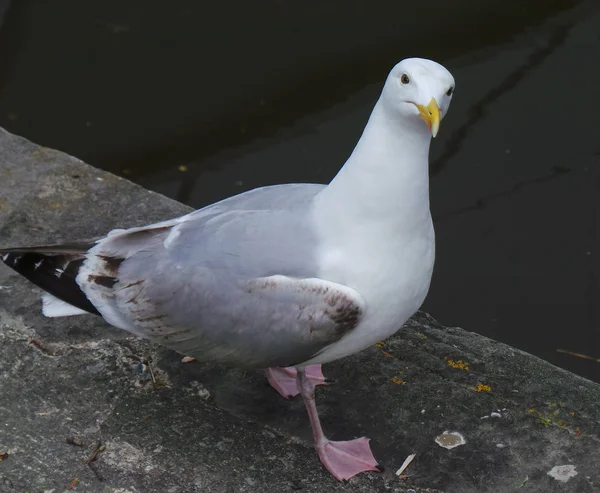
179,428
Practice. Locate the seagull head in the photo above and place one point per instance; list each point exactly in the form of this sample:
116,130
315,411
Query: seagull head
419,91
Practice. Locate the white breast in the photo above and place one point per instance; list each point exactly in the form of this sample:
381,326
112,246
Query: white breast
391,272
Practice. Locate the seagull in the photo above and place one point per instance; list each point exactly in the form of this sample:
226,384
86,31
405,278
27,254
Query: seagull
282,278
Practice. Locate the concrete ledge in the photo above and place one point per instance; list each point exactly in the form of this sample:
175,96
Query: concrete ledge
179,428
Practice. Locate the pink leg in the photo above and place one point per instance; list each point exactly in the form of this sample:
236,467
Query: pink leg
342,459
283,380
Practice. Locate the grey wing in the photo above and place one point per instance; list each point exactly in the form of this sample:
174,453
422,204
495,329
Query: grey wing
255,323
232,286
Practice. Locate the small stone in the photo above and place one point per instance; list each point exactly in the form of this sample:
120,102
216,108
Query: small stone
204,393
562,473
74,441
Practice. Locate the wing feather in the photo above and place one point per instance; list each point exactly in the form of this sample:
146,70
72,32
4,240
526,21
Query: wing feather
234,282
208,307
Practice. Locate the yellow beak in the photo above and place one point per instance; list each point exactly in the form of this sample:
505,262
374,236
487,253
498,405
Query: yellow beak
431,115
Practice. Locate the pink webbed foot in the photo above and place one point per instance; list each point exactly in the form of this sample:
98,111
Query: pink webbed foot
342,459
346,459
283,380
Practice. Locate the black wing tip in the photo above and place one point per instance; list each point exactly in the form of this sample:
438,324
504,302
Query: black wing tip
11,257
53,271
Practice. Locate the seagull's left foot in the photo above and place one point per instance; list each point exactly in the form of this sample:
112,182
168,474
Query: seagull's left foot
283,380
346,459
342,459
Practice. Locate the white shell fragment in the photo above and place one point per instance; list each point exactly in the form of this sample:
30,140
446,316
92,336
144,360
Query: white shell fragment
562,473
494,414
405,464
450,439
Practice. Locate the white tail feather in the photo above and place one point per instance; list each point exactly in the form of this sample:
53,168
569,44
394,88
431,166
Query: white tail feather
53,307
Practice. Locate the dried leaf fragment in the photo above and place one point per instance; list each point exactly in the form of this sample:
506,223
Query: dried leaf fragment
578,355
73,483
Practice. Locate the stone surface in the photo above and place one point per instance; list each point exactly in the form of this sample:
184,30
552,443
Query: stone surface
176,427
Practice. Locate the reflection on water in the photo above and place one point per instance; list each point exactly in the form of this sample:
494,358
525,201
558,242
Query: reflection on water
199,104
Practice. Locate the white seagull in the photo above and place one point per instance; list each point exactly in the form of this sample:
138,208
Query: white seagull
285,277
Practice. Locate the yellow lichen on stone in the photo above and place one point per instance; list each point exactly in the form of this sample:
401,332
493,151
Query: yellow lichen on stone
483,388
460,364
398,381
4,205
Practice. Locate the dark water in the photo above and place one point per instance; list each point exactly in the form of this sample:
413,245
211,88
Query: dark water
200,101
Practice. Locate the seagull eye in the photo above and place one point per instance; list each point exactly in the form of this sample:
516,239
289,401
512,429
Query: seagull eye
450,91
404,78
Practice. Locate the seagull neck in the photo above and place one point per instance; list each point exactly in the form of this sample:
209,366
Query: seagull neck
387,174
